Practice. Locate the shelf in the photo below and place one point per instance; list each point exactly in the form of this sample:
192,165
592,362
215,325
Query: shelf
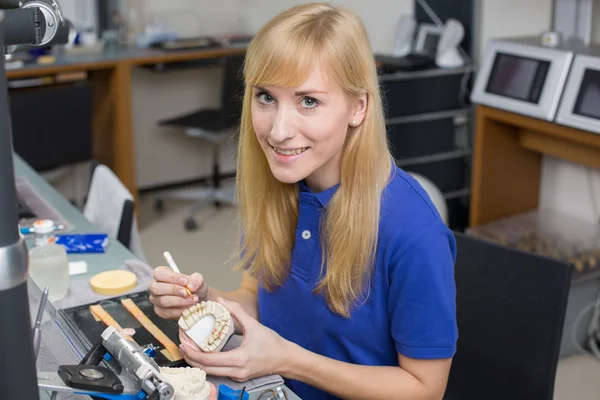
163,67
431,116
507,160
457,194
545,137
426,73
431,158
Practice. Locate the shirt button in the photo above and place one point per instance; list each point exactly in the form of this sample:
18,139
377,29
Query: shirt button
306,235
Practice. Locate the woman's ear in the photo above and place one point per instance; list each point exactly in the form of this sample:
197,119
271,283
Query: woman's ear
359,110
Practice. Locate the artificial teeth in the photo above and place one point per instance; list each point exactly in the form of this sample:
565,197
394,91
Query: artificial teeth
210,334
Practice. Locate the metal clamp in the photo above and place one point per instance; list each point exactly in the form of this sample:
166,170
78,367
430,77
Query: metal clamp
52,16
277,393
14,263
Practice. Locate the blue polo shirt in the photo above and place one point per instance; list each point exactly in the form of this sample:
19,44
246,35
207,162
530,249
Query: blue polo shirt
411,305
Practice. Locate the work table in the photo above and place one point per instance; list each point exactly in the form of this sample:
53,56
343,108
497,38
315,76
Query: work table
115,254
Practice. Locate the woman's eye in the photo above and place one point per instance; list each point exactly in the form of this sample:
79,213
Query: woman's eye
309,102
265,98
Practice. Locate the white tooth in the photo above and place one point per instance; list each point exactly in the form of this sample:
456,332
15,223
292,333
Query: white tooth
183,324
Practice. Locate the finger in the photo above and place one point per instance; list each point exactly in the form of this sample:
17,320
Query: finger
196,283
232,359
173,301
162,289
168,313
166,274
215,371
238,313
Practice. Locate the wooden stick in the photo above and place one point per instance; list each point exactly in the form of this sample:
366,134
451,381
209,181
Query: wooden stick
153,329
99,312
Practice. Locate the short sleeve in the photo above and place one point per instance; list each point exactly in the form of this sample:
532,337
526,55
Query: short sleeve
422,294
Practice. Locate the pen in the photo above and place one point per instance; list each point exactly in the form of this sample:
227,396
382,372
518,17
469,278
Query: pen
37,330
29,230
174,267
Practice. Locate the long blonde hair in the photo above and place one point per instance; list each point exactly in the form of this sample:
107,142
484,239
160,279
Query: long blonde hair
282,54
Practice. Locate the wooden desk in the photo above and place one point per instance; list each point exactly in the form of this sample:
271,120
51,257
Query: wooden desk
507,160
110,75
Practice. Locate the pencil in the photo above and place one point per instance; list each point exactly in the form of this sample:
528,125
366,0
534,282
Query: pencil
174,267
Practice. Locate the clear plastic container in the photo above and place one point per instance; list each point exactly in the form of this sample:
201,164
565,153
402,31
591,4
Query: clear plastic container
548,233
49,266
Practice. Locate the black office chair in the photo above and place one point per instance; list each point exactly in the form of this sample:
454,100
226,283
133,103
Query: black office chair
511,307
216,126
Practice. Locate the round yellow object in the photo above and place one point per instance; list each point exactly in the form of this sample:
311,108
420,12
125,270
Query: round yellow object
113,282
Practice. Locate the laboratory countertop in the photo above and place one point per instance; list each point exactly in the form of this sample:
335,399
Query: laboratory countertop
133,56
115,254
127,56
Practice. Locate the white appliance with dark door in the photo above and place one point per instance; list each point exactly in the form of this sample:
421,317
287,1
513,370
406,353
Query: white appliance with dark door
580,104
522,75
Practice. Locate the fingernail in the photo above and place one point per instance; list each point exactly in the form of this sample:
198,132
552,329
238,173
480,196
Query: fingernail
183,281
182,292
222,300
195,298
181,348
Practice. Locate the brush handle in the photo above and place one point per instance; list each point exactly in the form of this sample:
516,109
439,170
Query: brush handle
171,262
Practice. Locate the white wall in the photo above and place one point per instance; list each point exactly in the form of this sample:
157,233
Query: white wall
572,189
81,12
596,22
503,18
379,16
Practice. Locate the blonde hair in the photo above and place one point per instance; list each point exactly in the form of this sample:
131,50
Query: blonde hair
282,54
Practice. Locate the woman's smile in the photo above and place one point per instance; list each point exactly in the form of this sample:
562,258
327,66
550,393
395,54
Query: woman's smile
288,155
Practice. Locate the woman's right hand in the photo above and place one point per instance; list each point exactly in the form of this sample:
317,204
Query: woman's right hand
168,294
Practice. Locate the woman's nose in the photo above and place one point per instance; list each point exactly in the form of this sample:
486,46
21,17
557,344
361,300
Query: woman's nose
283,126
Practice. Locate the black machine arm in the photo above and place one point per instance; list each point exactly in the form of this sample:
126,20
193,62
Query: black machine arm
23,26
37,23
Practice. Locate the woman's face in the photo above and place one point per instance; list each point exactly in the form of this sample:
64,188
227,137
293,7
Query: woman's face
302,130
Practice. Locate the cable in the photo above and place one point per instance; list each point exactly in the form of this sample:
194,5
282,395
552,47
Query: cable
434,17
593,195
574,341
593,330
464,92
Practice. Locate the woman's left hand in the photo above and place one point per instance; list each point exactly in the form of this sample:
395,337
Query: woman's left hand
261,353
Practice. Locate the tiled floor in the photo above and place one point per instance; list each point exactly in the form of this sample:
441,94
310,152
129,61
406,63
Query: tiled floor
208,251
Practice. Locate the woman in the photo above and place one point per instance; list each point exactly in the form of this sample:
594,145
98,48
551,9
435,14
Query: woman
348,287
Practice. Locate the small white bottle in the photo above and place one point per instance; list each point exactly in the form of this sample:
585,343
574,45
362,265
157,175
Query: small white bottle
43,230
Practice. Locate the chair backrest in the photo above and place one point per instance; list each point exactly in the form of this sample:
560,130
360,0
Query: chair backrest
233,86
110,207
510,308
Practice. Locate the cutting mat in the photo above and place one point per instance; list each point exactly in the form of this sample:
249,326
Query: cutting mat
83,323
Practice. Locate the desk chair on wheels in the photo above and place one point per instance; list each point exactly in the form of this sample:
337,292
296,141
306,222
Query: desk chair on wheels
511,307
216,126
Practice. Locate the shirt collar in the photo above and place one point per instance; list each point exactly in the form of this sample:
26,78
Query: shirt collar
322,197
